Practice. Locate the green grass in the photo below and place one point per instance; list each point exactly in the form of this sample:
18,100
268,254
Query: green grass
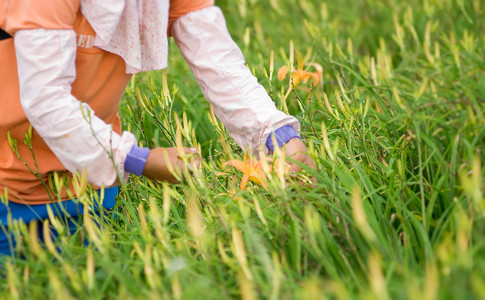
398,211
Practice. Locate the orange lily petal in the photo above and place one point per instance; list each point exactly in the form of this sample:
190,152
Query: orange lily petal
298,76
255,179
251,169
317,67
259,180
244,182
316,78
236,164
306,77
282,73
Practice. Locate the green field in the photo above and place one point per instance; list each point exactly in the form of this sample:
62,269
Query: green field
396,127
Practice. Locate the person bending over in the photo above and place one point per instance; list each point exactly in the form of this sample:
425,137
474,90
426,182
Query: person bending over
65,65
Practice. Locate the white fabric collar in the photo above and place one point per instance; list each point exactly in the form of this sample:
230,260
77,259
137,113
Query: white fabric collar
136,30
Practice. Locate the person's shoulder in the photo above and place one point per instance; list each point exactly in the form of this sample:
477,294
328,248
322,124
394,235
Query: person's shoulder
30,14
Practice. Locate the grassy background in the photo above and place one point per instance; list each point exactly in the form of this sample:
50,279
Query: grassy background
398,211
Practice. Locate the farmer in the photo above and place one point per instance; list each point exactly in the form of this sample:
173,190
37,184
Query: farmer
64,67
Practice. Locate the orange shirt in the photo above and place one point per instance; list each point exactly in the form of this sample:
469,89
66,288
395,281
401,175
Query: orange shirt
100,82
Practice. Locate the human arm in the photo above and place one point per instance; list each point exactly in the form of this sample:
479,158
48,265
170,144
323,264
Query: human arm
71,129
238,100
78,138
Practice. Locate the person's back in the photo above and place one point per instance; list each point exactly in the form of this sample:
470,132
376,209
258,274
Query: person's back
100,82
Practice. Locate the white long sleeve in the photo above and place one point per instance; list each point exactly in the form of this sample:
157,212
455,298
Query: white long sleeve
239,101
46,70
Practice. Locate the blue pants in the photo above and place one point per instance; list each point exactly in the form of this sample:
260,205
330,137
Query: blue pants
29,213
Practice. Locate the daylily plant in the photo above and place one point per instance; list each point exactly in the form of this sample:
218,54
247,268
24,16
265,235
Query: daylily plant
300,74
252,169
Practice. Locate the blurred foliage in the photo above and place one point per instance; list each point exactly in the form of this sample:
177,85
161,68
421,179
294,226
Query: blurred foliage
395,127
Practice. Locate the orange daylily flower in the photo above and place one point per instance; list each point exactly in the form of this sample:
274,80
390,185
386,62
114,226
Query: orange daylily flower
300,75
252,170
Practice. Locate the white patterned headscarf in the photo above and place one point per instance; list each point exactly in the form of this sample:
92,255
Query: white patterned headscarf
136,30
